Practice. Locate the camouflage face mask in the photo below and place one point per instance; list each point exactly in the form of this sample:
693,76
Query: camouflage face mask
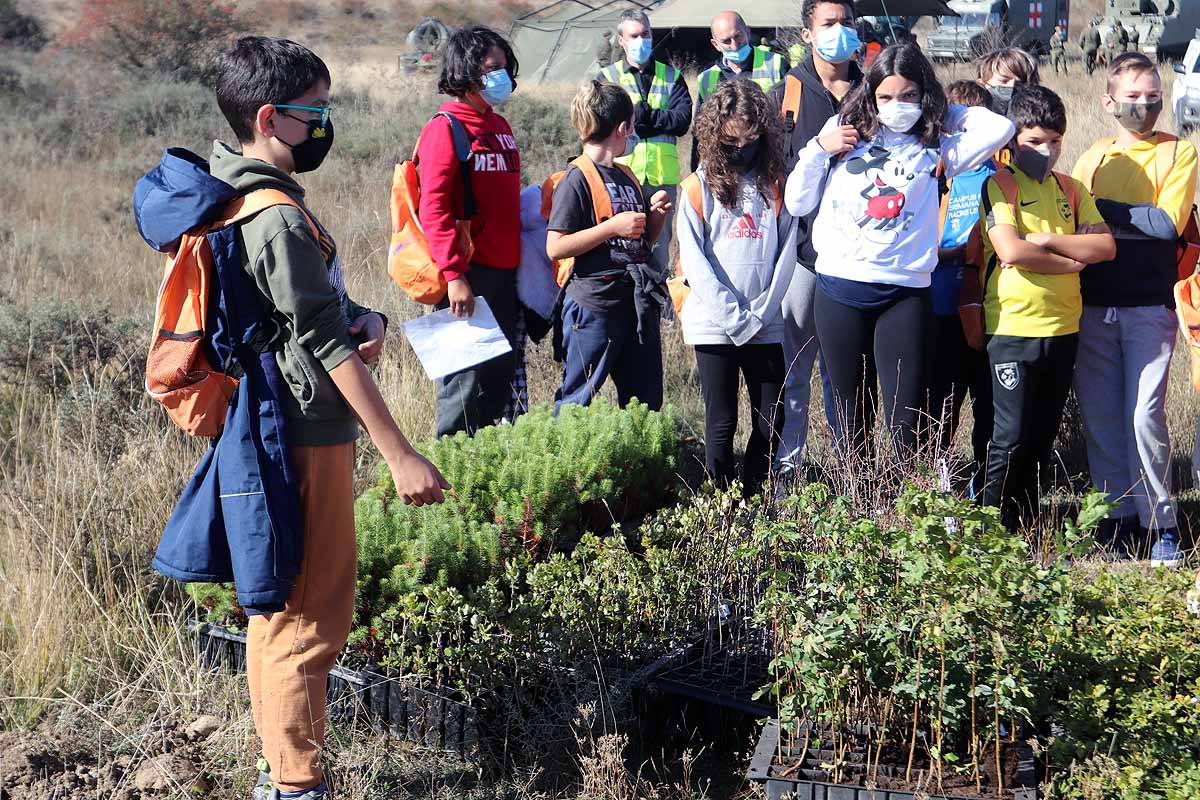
1138,117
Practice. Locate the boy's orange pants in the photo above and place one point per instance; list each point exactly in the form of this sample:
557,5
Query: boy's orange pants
289,653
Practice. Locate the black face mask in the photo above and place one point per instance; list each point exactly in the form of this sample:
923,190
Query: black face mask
1033,163
308,154
741,156
1001,98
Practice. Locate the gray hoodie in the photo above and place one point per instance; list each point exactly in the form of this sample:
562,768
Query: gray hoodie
738,263
285,260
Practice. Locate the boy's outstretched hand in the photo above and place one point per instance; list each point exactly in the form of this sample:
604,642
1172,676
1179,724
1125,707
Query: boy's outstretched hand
418,481
371,328
660,203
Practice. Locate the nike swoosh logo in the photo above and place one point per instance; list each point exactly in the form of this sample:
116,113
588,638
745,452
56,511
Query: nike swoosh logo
1031,202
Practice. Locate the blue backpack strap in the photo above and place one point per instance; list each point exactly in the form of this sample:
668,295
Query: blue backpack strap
466,162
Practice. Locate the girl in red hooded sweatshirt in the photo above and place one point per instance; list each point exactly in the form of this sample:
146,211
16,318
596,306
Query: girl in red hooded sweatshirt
478,74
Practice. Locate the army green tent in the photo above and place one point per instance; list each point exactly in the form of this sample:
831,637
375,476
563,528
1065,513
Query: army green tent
562,42
762,14
759,14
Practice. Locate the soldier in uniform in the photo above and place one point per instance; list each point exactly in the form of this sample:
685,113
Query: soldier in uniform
1122,39
1058,54
1111,48
1089,43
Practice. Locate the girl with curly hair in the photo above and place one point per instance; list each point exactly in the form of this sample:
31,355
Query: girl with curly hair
737,252
873,173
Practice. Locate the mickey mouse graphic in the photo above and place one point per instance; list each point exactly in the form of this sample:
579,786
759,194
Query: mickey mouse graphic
884,194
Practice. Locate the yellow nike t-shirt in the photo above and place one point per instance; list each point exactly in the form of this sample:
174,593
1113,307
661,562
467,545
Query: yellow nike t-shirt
1017,302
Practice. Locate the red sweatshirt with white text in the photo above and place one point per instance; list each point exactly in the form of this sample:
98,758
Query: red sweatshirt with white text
496,182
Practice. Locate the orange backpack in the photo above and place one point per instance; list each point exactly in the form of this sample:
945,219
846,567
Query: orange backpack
793,95
1007,182
601,204
410,262
1187,251
1187,308
178,374
691,188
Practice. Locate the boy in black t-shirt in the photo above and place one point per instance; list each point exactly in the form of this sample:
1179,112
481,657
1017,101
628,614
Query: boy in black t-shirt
612,304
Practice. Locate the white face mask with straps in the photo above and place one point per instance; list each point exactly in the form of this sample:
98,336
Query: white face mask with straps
900,117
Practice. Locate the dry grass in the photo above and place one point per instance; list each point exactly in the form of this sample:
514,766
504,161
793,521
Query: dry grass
89,637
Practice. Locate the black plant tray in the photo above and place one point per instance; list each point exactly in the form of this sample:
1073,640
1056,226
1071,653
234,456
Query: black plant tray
809,786
729,678
387,702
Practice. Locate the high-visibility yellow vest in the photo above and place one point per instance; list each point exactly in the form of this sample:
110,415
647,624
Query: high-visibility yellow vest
766,70
655,161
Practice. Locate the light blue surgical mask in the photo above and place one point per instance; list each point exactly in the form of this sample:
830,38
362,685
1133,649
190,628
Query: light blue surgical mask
497,87
639,50
631,141
838,44
738,56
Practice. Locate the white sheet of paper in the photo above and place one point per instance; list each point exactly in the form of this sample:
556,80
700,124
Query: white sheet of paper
446,344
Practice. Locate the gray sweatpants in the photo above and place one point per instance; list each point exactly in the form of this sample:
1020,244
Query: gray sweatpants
800,352
1121,380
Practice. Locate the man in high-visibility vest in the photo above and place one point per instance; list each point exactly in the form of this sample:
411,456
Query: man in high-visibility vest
731,38
662,113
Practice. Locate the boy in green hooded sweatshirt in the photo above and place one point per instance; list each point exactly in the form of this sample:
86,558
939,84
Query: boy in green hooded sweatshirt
275,95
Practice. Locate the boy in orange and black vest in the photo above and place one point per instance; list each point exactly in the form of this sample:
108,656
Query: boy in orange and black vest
612,299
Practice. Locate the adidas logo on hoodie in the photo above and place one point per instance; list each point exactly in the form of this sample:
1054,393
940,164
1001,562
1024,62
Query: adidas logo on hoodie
745,228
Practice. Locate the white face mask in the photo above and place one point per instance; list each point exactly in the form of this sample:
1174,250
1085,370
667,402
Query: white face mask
899,117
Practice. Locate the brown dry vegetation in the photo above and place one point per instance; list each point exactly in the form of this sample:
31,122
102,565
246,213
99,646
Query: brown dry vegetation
92,651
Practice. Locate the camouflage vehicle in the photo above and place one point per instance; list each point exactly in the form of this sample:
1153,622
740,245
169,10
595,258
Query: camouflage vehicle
980,24
1178,30
1163,27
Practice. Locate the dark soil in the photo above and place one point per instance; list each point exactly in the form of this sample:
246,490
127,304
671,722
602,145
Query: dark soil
37,766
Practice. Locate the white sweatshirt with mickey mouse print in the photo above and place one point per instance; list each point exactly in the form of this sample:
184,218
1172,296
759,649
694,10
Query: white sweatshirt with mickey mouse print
878,217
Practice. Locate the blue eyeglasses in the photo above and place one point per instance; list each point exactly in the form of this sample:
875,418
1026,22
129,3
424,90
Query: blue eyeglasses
324,111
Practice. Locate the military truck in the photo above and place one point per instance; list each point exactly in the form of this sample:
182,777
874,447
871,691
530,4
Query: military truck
983,24
1145,17
1178,30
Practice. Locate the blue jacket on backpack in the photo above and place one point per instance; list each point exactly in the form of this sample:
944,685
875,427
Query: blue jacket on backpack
238,520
